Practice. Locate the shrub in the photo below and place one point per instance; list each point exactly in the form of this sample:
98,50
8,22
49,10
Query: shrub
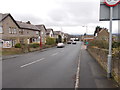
115,44
34,45
18,45
50,41
116,52
99,44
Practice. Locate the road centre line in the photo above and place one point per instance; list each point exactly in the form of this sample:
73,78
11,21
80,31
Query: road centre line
62,51
32,62
54,54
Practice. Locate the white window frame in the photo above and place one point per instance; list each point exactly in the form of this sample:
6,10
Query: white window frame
41,33
37,32
10,30
1,29
15,30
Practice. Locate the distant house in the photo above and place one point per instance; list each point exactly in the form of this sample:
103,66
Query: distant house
50,33
13,32
43,31
28,33
88,38
103,34
56,34
67,36
115,37
59,34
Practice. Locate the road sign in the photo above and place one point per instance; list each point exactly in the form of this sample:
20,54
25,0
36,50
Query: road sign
111,3
110,8
105,12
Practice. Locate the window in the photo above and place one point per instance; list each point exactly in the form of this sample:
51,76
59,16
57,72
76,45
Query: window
37,33
10,30
15,30
41,32
21,31
1,30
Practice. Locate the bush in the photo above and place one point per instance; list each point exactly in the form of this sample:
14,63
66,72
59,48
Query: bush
18,45
115,44
34,45
50,41
99,44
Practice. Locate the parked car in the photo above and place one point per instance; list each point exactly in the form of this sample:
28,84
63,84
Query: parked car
60,45
74,42
69,42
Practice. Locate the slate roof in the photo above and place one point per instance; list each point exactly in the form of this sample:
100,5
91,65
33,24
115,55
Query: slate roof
48,31
25,25
41,26
3,16
56,32
21,25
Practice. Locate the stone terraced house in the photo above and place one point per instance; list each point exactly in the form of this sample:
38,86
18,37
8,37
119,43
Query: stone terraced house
12,31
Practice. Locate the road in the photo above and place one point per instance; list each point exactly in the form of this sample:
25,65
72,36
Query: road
53,68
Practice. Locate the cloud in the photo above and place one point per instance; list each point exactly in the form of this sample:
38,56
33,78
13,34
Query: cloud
58,13
27,17
75,13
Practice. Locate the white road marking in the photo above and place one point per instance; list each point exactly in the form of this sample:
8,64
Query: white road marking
32,62
54,54
62,51
77,75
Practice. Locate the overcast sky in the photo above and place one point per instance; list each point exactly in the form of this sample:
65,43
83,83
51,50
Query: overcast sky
66,15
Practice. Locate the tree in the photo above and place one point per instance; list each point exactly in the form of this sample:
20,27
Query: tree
59,39
97,29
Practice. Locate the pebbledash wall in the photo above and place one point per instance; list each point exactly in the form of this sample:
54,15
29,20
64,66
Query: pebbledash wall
101,56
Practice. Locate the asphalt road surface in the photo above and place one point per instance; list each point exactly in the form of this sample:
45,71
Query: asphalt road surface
54,68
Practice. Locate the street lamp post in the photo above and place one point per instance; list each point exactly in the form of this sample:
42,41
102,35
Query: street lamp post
86,28
85,33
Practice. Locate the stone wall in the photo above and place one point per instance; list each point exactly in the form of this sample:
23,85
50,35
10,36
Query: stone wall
101,56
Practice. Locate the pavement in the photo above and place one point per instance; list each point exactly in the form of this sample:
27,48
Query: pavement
92,75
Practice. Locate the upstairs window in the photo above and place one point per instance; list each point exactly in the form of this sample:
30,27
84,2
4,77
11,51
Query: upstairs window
21,31
37,33
10,30
1,30
15,31
41,33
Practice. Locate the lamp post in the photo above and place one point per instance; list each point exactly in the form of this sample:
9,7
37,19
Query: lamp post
86,28
85,33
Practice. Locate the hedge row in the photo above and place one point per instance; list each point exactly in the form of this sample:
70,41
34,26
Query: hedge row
103,44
